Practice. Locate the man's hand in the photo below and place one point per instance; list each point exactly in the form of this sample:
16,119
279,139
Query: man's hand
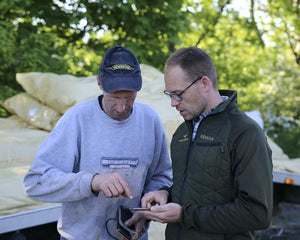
112,185
167,213
159,197
138,220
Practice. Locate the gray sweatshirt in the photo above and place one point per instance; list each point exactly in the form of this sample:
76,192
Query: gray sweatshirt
86,141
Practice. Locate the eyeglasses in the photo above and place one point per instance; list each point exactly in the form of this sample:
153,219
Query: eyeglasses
178,96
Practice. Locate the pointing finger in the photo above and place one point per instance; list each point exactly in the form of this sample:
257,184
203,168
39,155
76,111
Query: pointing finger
126,189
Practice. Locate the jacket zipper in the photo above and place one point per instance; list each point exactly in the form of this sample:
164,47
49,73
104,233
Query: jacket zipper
222,151
183,183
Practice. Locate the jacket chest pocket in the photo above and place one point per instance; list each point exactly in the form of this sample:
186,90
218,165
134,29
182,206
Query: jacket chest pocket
209,162
208,178
216,146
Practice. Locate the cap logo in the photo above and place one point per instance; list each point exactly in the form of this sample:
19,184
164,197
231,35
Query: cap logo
120,66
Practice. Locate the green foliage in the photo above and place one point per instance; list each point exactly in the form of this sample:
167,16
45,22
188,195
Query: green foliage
266,75
5,93
149,29
232,42
284,22
281,103
286,133
82,61
45,53
7,61
41,35
282,85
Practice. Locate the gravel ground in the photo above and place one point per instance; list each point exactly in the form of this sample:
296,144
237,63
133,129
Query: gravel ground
285,224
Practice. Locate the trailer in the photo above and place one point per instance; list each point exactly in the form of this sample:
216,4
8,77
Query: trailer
286,187
32,224
31,218
288,178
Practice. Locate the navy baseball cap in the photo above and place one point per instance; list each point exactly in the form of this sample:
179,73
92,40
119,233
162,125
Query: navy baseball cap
120,70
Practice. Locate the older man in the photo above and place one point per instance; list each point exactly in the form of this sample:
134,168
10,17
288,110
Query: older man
103,153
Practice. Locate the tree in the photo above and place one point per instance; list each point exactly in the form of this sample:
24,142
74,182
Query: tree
284,22
256,54
47,35
232,41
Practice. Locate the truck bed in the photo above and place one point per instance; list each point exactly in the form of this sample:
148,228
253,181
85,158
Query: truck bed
285,177
30,218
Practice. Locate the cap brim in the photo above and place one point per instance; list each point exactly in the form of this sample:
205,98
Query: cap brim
110,84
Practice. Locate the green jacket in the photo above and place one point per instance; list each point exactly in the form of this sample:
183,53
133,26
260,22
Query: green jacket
222,180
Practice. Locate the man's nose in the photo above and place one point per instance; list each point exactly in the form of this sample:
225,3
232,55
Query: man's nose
174,102
121,105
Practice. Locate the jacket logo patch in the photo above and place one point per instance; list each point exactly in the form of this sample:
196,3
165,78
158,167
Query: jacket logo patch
209,138
185,138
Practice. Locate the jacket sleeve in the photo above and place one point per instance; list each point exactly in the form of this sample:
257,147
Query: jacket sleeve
51,177
251,207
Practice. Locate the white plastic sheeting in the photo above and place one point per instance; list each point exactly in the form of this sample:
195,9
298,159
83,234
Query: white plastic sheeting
32,111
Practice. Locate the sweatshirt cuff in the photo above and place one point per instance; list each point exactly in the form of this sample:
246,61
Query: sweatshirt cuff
85,184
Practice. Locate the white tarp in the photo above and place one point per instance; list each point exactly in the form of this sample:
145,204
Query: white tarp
49,95
32,111
59,92
14,121
19,145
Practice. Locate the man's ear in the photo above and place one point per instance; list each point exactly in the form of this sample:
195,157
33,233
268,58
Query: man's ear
99,82
207,83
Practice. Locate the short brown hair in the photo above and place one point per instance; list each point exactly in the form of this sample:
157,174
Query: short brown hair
194,62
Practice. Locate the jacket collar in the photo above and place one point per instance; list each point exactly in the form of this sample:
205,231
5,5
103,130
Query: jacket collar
232,98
